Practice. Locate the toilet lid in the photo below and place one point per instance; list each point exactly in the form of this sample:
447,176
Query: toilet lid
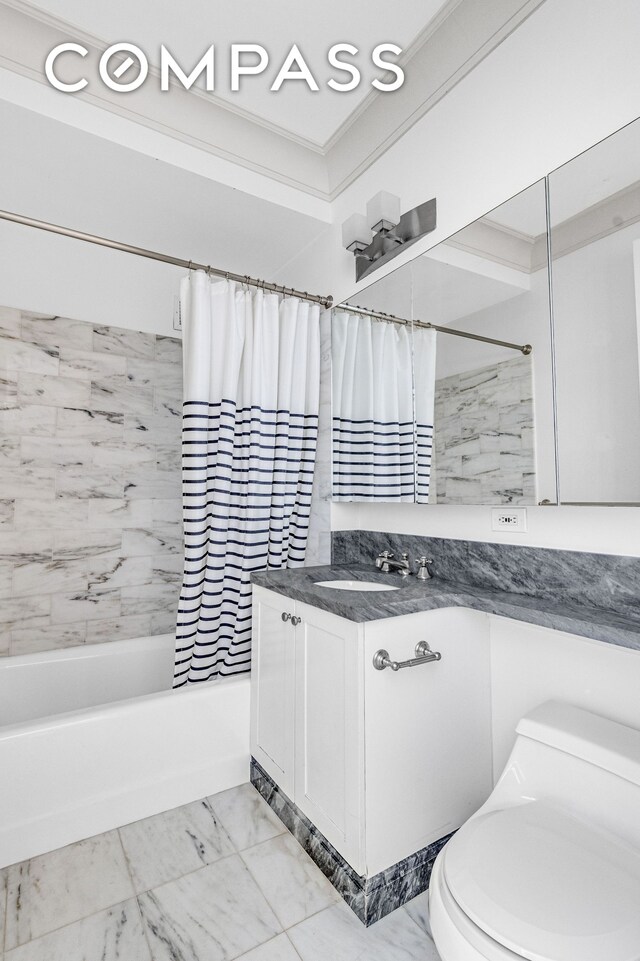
546,885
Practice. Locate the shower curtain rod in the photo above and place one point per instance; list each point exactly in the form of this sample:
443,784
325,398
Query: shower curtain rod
378,315
164,258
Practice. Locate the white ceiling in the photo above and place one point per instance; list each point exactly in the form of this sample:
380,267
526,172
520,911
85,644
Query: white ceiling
188,28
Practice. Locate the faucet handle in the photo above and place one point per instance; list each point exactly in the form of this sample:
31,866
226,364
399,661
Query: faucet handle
423,571
382,558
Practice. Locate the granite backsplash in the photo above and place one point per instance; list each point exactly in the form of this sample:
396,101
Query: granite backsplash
608,582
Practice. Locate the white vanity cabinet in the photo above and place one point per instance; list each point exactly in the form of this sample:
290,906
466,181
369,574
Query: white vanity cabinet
306,727
383,763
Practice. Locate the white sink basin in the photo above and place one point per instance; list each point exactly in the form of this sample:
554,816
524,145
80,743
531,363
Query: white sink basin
356,586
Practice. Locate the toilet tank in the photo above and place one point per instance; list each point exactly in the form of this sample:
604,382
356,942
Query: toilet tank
587,764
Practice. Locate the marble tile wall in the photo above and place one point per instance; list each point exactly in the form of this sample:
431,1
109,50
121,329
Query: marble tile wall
484,451
90,489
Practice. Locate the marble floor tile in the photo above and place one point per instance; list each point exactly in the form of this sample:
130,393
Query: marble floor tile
279,949
164,847
216,913
336,933
113,935
245,816
292,884
418,909
66,885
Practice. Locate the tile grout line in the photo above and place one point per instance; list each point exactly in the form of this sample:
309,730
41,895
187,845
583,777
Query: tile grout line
69,924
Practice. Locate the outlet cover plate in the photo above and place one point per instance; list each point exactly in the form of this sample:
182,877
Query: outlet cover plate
177,314
509,519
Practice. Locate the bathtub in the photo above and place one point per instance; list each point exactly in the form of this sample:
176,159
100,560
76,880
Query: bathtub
93,737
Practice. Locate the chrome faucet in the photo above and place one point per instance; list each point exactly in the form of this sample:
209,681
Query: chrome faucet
386,563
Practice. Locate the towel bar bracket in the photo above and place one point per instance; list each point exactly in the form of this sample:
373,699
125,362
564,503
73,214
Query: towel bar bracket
424,655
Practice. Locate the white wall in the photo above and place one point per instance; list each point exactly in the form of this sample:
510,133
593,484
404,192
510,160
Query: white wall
57,173
530,665
54,275
594,302
565,79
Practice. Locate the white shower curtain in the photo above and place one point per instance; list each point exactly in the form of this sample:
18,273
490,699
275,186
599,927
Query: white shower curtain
372,435
424,367
377,451
250,426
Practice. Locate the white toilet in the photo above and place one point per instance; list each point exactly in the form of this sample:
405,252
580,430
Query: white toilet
549,868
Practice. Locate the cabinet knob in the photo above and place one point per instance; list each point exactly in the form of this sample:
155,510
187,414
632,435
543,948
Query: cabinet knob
285,616
296,620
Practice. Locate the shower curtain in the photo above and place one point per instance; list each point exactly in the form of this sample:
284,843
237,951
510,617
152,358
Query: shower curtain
376,450
250,426
424,376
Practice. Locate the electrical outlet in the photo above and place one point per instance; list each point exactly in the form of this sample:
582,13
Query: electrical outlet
509,519
177,314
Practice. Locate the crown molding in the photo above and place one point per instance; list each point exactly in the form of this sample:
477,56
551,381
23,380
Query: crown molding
608,216
404,61
491,241
99,43
457,44
456,40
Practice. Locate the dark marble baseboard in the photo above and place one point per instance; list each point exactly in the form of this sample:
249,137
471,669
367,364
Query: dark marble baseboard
606,582
369,898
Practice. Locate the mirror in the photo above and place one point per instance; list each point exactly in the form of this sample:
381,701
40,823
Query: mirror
373,444
595,242
475,439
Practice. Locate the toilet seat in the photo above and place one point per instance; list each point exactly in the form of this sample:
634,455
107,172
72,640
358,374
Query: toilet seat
541,883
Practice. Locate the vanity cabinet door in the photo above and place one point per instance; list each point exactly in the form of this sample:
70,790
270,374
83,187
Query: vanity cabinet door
329,773
273,687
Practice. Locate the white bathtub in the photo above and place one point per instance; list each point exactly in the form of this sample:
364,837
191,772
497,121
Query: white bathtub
93,737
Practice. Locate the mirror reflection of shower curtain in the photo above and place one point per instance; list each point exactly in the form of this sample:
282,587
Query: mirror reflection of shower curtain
250,429
424,368
372,410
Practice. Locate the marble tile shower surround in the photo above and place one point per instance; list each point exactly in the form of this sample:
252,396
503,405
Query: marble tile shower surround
90,489
484,452
605,582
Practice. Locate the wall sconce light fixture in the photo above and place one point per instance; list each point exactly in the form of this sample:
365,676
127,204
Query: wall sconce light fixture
392,231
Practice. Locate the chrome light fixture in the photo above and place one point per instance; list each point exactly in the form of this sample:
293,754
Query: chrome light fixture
392,231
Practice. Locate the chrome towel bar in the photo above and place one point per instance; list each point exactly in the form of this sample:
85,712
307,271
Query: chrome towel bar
424,655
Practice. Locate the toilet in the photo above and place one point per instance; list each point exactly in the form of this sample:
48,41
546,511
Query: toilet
548,868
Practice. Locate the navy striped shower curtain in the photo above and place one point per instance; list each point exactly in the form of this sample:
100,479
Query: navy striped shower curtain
381,433
250,427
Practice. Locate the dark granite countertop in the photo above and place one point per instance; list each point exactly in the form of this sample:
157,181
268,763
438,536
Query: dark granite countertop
414,596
